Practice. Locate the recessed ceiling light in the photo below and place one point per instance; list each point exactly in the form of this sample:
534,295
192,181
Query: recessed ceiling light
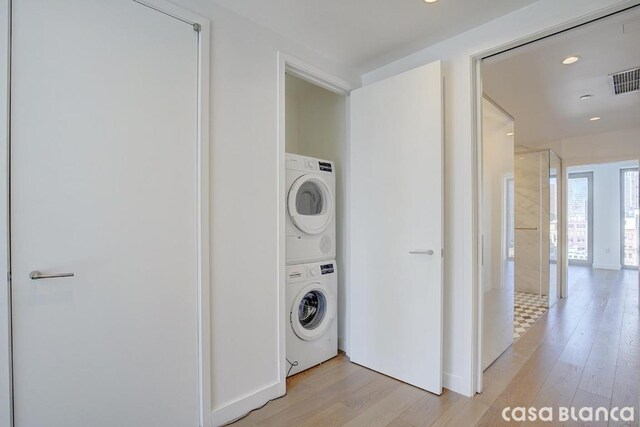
593,119
570,60
430,1
583,97
510,134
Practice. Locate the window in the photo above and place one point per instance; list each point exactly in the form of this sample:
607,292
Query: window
580,218
629,220
553,217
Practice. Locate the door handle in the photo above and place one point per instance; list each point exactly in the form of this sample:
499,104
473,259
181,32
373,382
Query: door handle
427,252
36,275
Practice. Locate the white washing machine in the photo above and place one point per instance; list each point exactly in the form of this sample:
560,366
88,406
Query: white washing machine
312,327
311,221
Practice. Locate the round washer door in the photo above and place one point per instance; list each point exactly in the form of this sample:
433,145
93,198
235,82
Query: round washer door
310,204
312,311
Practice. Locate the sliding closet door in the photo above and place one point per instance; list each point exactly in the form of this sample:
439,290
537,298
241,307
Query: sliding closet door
104,215
397,226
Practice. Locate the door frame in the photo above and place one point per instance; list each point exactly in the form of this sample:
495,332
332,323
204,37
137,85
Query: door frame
6,391
203,278
476,173
288,64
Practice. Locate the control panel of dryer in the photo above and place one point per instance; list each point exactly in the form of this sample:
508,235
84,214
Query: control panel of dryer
326,268
307,164
325,166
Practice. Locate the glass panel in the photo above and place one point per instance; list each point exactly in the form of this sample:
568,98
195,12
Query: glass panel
311,309
630,216
510,219
554,225
578,218
309,199
553,216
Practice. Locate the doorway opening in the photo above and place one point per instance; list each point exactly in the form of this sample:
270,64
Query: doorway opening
547,224
398,234
313,145
602,220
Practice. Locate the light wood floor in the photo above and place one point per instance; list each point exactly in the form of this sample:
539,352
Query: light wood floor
584,351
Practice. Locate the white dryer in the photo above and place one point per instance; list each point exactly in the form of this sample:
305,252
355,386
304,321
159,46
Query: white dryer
312,327
311,222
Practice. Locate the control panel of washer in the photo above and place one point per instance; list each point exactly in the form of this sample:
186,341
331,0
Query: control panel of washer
295,273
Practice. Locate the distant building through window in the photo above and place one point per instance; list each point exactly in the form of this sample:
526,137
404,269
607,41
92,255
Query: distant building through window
578,217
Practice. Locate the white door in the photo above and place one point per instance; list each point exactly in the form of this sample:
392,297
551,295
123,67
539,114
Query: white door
103,180
397,227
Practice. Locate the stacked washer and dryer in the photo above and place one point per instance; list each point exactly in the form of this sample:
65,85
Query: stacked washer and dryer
311,271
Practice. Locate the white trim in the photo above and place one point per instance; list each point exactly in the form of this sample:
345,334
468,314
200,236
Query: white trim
564,287
242,405
477,305
452,382
288,64
6,386
476,95
318,77
204,317
562,246
204,285
346,269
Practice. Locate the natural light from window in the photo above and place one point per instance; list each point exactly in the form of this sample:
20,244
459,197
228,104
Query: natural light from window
578,218
630,215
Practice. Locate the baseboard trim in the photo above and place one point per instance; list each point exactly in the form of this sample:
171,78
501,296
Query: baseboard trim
454,383
244,404
342,344
607,266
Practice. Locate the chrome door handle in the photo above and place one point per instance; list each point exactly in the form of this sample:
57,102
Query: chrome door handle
427,252
36,275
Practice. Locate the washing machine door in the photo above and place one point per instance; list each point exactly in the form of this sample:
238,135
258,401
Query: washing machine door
312,311
310,204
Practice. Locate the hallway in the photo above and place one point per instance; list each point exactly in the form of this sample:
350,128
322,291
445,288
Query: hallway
583,352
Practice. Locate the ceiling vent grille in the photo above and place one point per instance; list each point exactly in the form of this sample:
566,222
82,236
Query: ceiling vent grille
625,81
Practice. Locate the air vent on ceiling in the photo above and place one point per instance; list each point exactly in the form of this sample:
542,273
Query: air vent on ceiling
625,81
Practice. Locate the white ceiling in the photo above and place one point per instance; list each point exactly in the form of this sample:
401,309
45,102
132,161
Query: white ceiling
366,34
533,85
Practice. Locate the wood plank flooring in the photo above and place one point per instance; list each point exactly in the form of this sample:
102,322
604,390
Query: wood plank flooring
584,352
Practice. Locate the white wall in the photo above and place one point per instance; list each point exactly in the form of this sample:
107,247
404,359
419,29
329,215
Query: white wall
456,55
316,126
245,166
610,146
606,212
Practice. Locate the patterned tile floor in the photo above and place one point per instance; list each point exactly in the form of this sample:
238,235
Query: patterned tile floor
527,309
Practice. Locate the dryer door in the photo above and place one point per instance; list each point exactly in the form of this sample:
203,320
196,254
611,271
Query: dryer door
310,204
312,311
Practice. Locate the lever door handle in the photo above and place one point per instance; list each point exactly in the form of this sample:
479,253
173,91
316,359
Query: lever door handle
427,252
36,275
